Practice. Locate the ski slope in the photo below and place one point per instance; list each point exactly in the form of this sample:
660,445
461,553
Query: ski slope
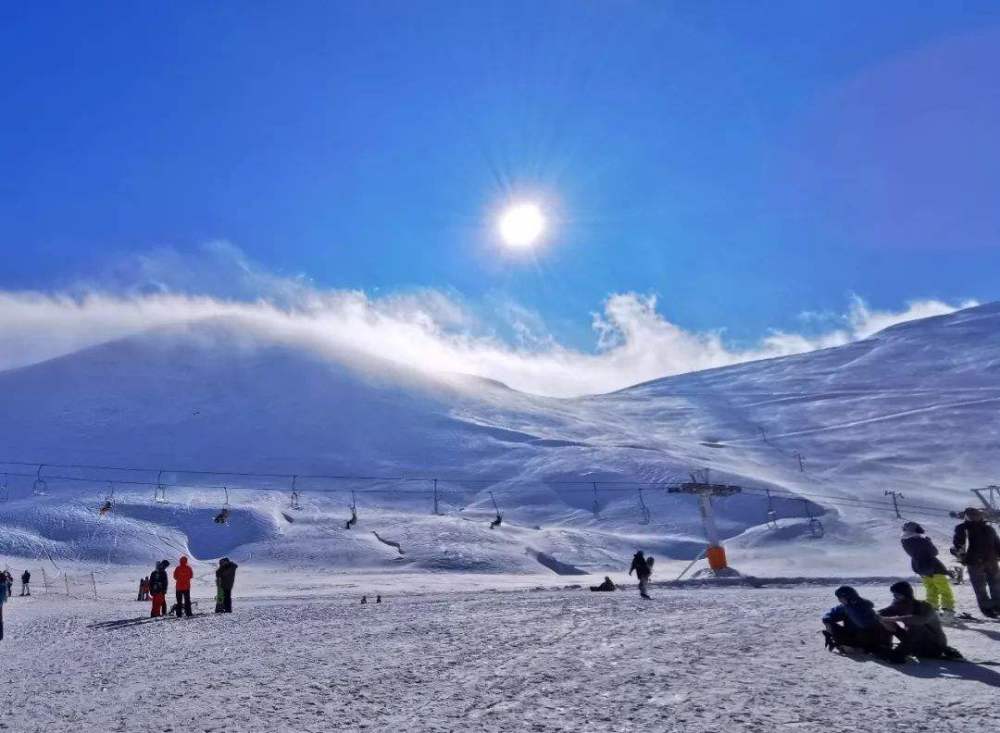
913,408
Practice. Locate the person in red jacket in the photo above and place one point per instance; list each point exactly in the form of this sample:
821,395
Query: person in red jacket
182,586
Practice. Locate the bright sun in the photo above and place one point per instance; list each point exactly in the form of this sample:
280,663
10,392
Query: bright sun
521,225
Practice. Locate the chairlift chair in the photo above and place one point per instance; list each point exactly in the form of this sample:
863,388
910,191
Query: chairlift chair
815,526
772,515
223,516
40,487
499,517
354,512
109,501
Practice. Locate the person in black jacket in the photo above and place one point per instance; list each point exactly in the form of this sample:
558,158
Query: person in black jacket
25,579
607,585
158,589
226,576
932,572
916,625
977,546
643,569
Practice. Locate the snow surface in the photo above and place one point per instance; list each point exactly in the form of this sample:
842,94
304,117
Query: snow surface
913,408
693,659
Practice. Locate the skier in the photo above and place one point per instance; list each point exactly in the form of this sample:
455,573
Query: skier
182,587
643,568
854,623
605,586
158,589
25,579
932,571
916,625
364,600
226,574
977,546
8,580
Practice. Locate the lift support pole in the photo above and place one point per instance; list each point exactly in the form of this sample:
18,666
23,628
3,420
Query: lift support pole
715,553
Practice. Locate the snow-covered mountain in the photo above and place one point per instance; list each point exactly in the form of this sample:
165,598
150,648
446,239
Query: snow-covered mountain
913,409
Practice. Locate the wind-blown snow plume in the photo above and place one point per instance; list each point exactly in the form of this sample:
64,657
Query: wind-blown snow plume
427,329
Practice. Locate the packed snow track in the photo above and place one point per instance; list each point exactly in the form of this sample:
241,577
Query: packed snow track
693,659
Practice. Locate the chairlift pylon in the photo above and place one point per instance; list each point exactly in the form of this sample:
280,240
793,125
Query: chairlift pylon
4,489
294,500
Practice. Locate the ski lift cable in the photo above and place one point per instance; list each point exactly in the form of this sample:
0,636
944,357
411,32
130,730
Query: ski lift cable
610,485
841,500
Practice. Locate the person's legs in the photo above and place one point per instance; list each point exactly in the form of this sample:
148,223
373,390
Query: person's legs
993,583
931,590
978,581
943,587
187,603
643,584
227,600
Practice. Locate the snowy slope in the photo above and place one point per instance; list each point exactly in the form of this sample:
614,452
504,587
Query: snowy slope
912,408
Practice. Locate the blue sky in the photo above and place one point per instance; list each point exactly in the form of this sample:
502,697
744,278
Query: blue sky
746,163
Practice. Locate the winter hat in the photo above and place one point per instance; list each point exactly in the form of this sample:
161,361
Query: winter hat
913,527
902,588
973,514
847,593
184,559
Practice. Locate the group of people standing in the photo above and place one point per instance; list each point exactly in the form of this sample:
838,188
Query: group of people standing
7,590
155,587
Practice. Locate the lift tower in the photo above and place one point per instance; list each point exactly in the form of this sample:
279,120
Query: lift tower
704,490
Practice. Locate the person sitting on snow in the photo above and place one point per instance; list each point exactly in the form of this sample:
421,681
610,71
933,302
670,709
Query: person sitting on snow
916,625
854,623
605,586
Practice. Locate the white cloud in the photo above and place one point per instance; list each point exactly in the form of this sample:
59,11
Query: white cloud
428,329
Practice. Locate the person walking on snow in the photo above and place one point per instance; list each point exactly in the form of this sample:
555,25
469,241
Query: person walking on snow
916,625
643,568
977,546
25,579
854,623
932,572
182,587
226,575
158,589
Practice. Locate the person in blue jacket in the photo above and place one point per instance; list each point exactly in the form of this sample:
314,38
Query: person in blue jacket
854,623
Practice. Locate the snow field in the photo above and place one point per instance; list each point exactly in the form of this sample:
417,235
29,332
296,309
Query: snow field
693,659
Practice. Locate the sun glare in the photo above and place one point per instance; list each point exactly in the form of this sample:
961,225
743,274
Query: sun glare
521,225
